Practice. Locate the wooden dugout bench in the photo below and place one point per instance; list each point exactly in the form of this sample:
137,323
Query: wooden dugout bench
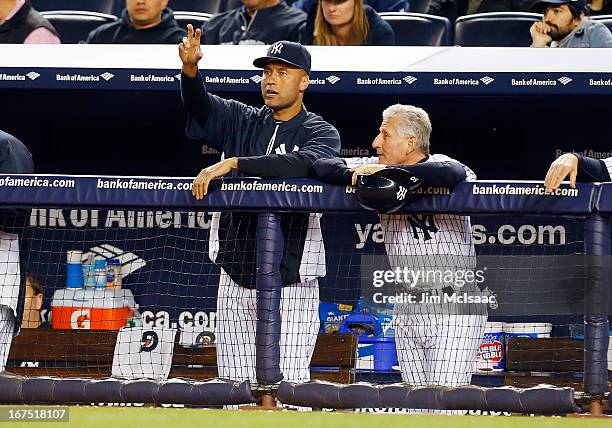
557,361
89,354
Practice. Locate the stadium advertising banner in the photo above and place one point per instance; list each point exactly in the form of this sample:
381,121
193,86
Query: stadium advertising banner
371,69
479,83
161,235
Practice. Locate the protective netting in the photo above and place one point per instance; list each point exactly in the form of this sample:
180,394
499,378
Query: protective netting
437,299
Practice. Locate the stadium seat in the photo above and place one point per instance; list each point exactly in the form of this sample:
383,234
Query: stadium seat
418,29
196,19
101,6
604,19
74,26
202,6
504,29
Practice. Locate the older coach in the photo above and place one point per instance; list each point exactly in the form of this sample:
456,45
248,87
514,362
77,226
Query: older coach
436,343
280,139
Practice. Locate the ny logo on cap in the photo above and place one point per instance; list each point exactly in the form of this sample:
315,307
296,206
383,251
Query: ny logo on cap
276,48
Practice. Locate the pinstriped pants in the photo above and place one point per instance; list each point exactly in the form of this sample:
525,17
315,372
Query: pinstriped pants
438,349
236,323
7,331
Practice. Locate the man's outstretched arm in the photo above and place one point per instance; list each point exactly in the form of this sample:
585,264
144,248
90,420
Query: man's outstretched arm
577,168
431,174
195,98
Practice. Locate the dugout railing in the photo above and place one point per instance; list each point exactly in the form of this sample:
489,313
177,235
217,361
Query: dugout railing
586,207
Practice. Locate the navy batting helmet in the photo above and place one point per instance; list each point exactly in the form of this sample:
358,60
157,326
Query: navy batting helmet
387,190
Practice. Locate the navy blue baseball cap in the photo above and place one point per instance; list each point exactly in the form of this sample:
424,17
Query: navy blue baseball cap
288,52
539,6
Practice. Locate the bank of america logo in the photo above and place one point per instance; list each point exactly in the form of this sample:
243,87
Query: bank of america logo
410,79
256,79
178,76
564,80
32,75
333,79
107,76
130,262
487,80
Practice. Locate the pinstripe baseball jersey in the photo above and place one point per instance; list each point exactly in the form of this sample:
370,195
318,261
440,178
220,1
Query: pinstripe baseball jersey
427,241
431,241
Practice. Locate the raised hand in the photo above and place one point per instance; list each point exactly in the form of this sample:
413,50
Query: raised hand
540,35
190,52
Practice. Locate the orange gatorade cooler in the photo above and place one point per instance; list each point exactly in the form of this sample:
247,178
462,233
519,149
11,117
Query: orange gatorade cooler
91,308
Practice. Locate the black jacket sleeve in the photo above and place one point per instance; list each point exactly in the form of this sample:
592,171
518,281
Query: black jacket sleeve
195,97
592,170
217,121
437,174
431,174
333,171
323,142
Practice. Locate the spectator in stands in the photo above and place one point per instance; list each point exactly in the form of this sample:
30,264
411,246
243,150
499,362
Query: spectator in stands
141,22
255,22
34,295
577,168
377,5
565,25
346,23
14,159
19,23
599,7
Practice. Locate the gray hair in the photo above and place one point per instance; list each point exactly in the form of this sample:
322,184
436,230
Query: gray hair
411,121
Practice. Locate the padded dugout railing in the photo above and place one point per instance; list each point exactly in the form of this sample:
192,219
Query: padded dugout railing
276,196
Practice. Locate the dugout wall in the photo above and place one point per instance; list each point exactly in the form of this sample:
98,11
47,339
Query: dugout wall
175,277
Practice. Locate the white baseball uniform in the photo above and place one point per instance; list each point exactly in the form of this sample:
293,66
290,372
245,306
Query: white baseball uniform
237,313
237,319
436,344
9,292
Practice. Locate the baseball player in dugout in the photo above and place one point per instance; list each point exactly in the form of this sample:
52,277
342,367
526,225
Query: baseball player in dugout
577,168
15,158
279,139
437,337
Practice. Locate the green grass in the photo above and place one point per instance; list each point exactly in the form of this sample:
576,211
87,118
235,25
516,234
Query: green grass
113,417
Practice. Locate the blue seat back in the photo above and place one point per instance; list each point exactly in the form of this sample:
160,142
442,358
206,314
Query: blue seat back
74,26
418,29
503,29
